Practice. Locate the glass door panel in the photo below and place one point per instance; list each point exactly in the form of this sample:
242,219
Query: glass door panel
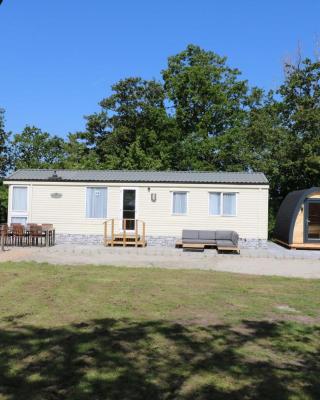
313,221
129,209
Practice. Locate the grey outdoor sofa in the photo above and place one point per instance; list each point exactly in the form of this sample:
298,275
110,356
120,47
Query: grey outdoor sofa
199,239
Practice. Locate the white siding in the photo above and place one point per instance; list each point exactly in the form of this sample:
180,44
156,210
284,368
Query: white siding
251,220
68,213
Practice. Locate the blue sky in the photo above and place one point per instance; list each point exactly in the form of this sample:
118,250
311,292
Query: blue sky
59,58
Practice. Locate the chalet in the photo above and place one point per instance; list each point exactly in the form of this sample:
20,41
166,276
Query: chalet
160,203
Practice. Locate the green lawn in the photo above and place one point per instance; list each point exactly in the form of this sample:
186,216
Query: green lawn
94,332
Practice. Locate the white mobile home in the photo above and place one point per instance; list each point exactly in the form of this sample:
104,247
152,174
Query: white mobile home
77,202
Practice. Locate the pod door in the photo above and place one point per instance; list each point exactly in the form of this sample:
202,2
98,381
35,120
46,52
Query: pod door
129,209
312,221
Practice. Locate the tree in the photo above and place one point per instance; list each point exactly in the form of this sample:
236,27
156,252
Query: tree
79,155
4,147
4,165
174,125
282,134
300,116
36,149
133,129
208,101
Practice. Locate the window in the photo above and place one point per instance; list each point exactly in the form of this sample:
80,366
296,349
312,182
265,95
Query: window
19,220
96,202
222,204
19,198
214,203
179,203
229,204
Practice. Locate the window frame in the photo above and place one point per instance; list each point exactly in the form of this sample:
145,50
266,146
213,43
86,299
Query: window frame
187,203
86,202
27,199
221,204
122,189
18,213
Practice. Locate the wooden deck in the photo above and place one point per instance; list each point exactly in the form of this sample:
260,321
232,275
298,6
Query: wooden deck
299,246
125,238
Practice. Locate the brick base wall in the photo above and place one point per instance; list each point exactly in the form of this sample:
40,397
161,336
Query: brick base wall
163,241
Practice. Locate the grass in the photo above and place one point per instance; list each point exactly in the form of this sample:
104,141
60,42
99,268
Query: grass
94,332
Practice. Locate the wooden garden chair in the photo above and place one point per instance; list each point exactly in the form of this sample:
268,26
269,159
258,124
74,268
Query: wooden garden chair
36,235
18,235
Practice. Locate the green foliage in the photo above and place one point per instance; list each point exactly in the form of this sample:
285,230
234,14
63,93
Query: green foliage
208,101
36,149
133,130
3,202
78,155
300,115
4,165
206,93
4,146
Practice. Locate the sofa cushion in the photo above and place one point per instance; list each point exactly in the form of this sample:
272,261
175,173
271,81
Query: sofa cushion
190,234
207,235
225,243
224,235
203,241
212,242
235,238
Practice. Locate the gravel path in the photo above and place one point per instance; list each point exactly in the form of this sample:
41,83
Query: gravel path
274,260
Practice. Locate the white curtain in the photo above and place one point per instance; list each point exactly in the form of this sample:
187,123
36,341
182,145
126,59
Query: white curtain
229,204
215,203
19,199
179,203
96,202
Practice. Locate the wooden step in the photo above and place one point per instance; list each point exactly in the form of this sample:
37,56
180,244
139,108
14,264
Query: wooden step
140,243
129,236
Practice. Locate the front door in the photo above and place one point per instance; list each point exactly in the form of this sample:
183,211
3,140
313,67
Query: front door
312,221
129,209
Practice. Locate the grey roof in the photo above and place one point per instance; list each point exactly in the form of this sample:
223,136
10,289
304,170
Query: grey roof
138,176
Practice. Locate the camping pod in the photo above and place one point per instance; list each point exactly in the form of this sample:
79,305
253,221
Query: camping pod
298,220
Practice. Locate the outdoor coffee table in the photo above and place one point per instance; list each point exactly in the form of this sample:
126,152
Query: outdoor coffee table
193,246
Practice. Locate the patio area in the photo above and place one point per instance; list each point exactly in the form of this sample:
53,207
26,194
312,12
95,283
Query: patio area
274,260
22,235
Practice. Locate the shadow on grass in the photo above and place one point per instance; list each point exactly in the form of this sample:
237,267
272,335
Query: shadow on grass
124,359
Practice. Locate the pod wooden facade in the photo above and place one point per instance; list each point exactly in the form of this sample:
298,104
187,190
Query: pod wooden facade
298,220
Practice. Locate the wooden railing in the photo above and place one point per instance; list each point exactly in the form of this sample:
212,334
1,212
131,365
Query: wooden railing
124,237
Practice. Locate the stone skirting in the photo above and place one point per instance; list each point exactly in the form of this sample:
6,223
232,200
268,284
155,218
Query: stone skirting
253,243
78,239
163,241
